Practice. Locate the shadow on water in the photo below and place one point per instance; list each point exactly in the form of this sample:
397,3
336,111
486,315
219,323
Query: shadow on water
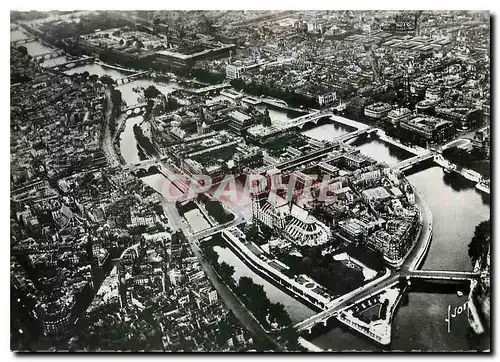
364,343
420,167
394,151
457,182
485,198
325,120
437,287
337,327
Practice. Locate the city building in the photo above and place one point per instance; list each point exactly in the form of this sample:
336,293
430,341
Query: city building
191,55
462,117
293,222
377,111
482,141
327,98
429,128
233,71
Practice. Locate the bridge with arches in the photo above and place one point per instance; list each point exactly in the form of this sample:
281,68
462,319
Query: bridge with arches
132,77
134,110
410,162
315,155
74,63
49,55
142,165
23,41
357,296
211,88
301,121
155,165
316,116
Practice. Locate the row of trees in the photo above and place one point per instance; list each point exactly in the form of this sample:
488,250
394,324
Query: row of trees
207,76
289,96
405,136
333,275
462,157
255,298
215,209
480,242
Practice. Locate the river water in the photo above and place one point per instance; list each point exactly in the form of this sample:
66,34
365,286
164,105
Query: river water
457,208
296,310
36,48
128,145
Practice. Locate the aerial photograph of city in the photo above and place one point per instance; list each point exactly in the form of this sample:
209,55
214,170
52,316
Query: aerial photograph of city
250,181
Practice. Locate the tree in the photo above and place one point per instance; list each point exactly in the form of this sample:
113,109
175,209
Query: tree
172,104
226,272
278,314
225,332
459,156
479,243
207,76
290,337
208,25
216,210
267,119
383,309
151,92
143,141
22,49
149,107
116,99
253,233
106,79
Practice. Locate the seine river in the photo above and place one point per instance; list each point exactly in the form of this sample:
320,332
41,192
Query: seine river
457,208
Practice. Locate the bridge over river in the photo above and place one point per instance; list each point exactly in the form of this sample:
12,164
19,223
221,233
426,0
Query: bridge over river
132,77
351,299
410,162
407,271
443,275
15,43
73,63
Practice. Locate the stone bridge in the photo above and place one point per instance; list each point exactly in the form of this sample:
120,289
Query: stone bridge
442,275
134,110
74,63
410,162
133,77
23,41
49,55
